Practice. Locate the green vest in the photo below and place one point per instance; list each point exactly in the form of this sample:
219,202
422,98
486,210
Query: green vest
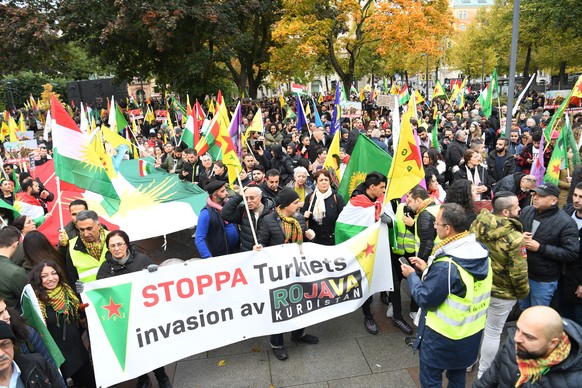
457,318
404,242
85,264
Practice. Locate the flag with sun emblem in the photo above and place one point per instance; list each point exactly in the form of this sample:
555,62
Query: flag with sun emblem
366,157
78,161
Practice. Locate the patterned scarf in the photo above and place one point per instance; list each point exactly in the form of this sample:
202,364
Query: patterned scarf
533,369
63,300
449,240
291,228
96,248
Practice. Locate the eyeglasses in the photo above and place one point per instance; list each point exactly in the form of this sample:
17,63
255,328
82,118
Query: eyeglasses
250,198
5,345
437,224
115,246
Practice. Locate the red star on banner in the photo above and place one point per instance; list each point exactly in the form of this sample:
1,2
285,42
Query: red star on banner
112,308
414,154
579,89
556,169
369,249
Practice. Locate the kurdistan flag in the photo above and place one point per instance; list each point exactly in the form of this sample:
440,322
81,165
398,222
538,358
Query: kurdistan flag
559,159
76,161
366,157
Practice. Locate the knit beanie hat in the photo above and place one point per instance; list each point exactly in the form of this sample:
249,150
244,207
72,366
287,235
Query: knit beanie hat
286,197
6,331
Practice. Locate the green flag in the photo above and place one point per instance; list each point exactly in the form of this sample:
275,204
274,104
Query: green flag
120,119
112,306
572,142
487,95
559,159
435,137
33,315
366,157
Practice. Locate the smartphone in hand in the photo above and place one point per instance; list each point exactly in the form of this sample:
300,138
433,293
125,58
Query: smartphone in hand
404,260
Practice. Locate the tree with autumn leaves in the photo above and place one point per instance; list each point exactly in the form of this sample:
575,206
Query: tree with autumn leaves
357,37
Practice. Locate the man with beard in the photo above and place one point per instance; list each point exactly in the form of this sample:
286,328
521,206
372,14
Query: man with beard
502,234
214,236
544,351
500,162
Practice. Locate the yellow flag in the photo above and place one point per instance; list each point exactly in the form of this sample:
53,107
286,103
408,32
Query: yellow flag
114,139
21,123
104,158
362,97
282,101
256,125
333,159
320,100
406,170
13,129
418,97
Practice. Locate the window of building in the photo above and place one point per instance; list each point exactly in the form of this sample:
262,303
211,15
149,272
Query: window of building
462,15
462,27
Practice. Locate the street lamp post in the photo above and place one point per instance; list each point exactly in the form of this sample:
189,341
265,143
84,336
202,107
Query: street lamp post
9,87
426,87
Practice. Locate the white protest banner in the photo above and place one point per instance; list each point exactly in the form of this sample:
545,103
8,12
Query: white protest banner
141,321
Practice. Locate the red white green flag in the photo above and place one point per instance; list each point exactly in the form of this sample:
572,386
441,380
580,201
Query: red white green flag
77,162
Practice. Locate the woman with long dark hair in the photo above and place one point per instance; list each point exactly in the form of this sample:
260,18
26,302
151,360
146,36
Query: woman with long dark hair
38,248
60,309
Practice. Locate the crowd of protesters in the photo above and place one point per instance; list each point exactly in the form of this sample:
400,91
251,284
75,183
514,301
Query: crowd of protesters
479,200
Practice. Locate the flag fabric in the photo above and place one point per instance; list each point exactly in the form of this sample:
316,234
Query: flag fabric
13,129
188,133
256,125
362,96
337,112
366,157
461,95
439,90
149,116
21,123
235,130
75,161
320,100
301,119
33,103
418,98
571,142
282,101
332,160
145,167
434,134
488,94
120,121
454,93
6,206
290,115
317,118
358,215
558,160
538,169
299,89
576,92
353,89
407,169
404,96
32,313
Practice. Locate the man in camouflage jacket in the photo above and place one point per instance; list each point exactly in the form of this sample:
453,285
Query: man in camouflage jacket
502,233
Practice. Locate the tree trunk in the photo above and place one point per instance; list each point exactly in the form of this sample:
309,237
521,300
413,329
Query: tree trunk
562,76
326,84
406,77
